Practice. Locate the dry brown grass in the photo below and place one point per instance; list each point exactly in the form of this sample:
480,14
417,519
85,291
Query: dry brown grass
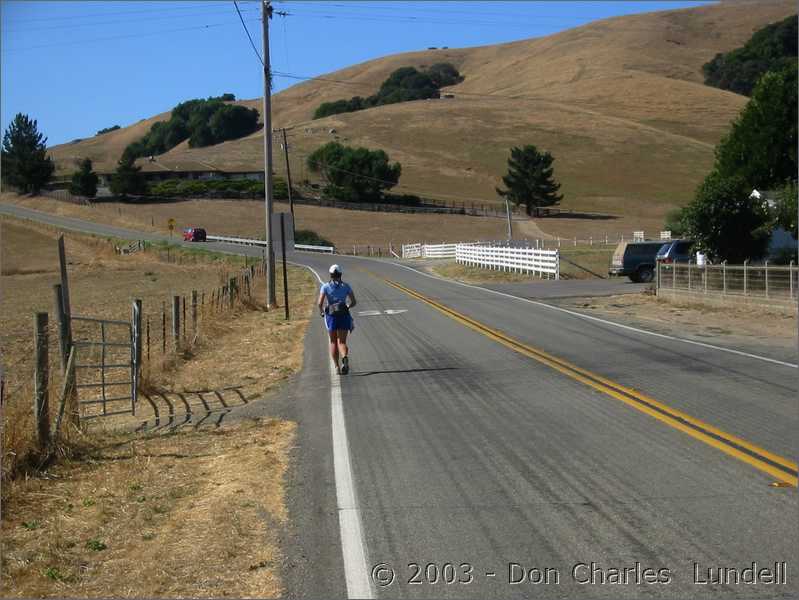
746,324
620,103
197,513
245,217
476,275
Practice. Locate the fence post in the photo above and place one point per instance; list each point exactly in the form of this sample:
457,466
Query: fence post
66,388
163,328
176,321
746,262
657,277
689,274
65,303
724,277
148,339
194,312
136,352
41,412
674,276
285,270
63,345
231,291
790,278
766,271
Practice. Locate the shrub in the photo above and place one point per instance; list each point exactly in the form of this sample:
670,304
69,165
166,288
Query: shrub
306,236
108,129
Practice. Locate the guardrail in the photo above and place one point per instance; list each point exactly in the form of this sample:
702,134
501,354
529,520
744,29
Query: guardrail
505,258
251,242
312,248
234,240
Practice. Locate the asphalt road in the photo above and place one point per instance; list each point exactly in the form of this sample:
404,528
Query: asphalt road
478,432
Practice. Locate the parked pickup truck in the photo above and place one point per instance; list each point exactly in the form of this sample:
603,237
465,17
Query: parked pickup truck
636,260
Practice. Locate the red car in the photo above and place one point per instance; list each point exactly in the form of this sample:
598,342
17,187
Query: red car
194,234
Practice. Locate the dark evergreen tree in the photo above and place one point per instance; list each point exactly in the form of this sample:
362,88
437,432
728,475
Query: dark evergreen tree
128,179
530,180
84,180
25,163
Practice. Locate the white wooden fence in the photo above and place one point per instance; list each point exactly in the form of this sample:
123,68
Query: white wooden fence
428,250
504,258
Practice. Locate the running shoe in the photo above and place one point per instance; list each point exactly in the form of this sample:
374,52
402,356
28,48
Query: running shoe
345,365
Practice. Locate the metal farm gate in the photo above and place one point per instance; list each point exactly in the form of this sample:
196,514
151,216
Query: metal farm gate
108,355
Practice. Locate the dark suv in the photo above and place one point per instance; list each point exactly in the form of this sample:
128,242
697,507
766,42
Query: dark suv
676,251
636,260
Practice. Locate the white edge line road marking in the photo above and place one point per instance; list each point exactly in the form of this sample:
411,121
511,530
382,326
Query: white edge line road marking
590,318
353,547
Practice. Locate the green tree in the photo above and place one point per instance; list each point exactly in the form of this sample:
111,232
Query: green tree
530,179
769,49
403,85
354,174
786,209
675,222
444,74
128,179
25,163
84,180
725,222
761,146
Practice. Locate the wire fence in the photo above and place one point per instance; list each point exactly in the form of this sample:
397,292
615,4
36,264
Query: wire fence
774,283
33,357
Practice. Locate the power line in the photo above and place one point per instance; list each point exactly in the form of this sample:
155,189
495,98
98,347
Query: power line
117,37
247,31
159,10
98,23
405,18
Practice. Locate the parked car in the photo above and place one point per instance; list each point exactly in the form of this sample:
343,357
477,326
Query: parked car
194,234
676,251
636,260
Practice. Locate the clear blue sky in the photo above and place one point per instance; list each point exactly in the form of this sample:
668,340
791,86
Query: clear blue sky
77,67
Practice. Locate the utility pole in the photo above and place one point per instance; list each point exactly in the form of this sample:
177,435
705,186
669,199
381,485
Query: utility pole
266,14
288,177
507,210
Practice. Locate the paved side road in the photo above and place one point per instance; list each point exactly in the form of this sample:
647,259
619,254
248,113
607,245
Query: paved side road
475,466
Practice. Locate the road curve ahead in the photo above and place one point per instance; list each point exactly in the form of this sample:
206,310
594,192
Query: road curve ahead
488,446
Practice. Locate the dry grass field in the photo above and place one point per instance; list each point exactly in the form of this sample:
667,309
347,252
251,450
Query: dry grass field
246,218
619,102
116,514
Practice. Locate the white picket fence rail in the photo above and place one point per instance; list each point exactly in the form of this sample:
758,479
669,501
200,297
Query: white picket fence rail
505,258
412,250
428,250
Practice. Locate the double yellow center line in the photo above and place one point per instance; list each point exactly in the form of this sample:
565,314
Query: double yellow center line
781,468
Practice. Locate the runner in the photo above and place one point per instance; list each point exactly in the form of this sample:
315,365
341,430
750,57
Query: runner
333,307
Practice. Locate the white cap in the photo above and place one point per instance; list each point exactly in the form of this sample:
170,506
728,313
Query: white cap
335,269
